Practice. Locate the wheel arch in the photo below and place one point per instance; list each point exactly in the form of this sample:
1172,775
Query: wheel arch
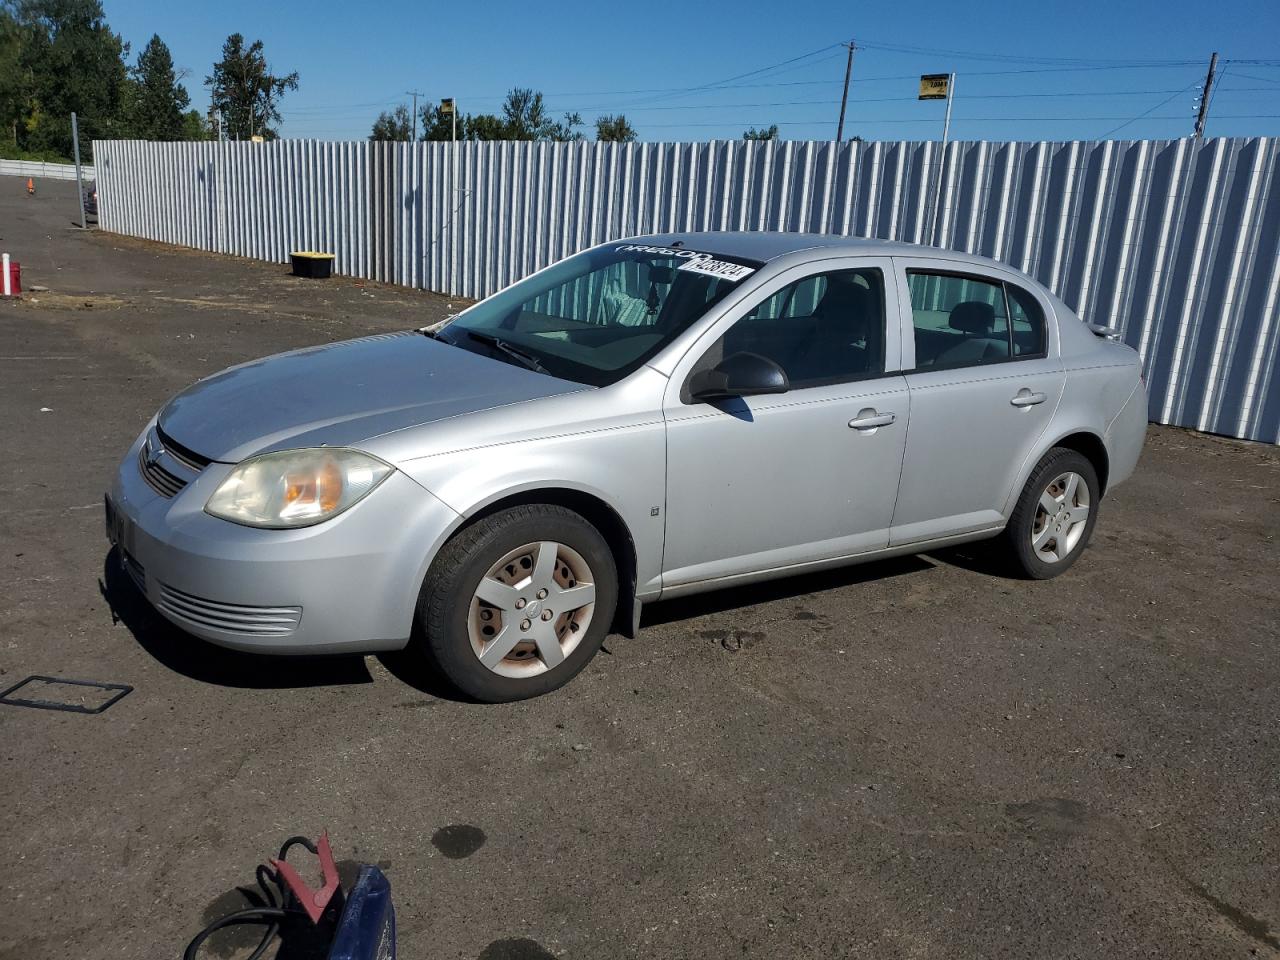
1090,446
595,510
1083,439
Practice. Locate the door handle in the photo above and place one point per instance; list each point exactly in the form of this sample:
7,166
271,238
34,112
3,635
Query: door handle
1025,398
869,420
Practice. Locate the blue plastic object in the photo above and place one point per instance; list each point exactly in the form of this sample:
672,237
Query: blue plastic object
367,928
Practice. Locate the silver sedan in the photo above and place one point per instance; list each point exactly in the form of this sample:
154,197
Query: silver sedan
649,418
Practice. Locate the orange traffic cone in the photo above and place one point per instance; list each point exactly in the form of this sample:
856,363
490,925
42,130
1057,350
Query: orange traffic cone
31,186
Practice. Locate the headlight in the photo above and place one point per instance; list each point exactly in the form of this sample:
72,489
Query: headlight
296,488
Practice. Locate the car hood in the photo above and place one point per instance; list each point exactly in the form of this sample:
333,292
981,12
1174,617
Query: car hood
342,393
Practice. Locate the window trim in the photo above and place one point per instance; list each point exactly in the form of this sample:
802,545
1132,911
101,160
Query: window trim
886,271
1044,323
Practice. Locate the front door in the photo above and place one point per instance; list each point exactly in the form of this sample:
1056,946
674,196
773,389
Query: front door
766,482
984,384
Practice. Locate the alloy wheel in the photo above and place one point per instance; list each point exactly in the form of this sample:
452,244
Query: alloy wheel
531,609
1061,517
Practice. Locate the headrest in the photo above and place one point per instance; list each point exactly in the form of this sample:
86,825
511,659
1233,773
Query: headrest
973,316
847,298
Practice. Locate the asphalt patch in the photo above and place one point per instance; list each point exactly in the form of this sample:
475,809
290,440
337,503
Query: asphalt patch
458,841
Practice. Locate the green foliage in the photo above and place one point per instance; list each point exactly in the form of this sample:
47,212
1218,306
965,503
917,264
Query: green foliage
59,56
524,117
764,133
158,98
13,81
246,92
617,129
396,125
195,126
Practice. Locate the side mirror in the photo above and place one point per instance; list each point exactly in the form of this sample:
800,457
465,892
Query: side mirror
739,375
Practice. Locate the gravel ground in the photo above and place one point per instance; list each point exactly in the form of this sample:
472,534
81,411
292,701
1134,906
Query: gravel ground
915,758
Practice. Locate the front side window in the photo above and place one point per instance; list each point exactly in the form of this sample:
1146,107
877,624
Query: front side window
822,329
598,316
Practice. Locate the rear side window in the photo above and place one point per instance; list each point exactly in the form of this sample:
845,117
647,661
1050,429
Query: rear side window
1028,322
963,321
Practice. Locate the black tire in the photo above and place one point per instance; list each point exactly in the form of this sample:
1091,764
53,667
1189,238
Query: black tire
1017,537
445,602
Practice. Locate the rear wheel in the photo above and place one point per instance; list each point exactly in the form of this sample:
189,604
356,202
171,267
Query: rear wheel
517,604
1054,517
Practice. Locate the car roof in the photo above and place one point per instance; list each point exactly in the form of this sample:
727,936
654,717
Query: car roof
766,245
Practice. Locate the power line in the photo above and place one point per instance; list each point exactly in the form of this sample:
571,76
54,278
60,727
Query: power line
934,120
910,99
836,83
1150,110
1246,76
1017,58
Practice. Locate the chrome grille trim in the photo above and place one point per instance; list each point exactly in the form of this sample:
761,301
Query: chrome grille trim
158,478
230,617
184,455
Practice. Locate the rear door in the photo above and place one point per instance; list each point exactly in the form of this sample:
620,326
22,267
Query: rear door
985,375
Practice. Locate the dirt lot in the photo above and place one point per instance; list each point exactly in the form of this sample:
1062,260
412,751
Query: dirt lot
916,758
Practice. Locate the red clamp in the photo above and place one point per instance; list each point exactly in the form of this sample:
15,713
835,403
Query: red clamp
313,901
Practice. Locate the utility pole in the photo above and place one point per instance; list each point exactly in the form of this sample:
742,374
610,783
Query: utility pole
415,94
844,99
946,123
1204,97
931,89
75,139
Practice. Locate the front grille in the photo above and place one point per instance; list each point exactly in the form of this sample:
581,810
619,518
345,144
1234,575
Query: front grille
158,478
231,617
184,455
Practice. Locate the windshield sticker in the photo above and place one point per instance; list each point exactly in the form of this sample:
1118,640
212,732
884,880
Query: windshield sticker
661,251
718,268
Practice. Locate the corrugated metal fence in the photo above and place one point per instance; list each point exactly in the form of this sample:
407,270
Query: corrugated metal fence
1176,242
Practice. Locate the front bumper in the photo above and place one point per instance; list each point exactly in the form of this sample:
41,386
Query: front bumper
349,584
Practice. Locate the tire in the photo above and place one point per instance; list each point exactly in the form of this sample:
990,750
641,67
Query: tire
1053,520
505,557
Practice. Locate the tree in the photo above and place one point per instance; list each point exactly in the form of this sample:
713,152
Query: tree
195,126
246,92
770,133
67,60
158,98
525,118
13,94
617,129
436,124
396,125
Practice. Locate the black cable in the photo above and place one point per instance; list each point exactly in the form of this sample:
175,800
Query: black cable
296,842
268,915
275,905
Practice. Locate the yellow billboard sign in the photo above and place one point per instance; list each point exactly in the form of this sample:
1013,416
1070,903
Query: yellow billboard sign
933,86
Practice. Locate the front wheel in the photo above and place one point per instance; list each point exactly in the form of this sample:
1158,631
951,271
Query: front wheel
518,603
1054,516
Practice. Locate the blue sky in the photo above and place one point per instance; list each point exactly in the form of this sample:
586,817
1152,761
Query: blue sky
1024,71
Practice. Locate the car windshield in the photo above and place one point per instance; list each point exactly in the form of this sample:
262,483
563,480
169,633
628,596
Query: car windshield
598,316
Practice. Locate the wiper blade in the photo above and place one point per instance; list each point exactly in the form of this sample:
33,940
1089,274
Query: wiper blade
515,353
